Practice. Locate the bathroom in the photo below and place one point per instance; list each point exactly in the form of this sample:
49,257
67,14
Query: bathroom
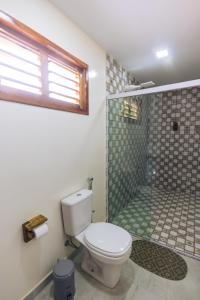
145,169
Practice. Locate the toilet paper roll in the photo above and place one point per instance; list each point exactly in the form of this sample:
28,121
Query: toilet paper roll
40,230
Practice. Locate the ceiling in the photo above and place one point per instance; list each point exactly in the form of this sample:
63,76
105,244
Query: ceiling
132,31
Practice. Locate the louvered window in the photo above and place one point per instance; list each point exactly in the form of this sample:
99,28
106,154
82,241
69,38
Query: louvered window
35,71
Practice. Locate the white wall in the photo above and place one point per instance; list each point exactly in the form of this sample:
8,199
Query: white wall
45,155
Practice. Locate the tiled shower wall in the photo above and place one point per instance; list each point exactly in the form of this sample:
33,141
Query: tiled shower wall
150,152
174,156
127,143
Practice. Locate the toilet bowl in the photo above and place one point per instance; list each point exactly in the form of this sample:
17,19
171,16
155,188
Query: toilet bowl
106,246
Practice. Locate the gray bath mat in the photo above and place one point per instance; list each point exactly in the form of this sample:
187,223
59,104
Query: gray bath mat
158,260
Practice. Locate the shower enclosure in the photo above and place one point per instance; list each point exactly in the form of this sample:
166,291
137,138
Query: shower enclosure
154,165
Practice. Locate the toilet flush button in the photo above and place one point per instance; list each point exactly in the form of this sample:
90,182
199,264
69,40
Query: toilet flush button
78,194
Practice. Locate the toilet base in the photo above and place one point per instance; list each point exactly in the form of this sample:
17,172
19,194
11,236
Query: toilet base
108,274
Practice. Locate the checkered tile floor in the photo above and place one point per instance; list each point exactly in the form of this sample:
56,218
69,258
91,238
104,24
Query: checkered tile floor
170,218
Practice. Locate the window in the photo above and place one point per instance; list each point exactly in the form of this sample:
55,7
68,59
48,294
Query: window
35,71
130,109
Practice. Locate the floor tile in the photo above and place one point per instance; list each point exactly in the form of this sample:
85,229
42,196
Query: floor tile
176,227
135,283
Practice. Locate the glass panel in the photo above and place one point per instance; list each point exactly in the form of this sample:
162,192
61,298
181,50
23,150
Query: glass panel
153,168
127,156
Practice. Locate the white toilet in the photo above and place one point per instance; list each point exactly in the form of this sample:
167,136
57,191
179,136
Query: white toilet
106,246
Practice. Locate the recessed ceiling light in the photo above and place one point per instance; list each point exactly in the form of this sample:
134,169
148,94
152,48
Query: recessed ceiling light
162,53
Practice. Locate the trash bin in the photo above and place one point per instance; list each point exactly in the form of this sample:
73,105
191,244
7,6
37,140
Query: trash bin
63,277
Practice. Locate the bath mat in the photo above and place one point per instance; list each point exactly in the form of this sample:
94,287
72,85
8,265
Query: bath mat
158,260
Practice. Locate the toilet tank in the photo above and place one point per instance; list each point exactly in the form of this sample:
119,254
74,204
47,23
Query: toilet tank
77,212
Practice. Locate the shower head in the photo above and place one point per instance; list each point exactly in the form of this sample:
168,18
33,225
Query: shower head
147,84
134,87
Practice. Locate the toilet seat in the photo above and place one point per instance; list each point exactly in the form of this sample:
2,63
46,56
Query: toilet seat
107,239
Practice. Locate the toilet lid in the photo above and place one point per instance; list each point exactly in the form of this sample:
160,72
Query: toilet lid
107,237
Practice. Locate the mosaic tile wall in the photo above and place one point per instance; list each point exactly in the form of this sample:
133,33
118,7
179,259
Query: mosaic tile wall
174,156
116,76
127,143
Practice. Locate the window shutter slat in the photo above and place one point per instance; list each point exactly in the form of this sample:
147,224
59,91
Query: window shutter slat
64,91
19,86
18,63
11,73
63,81
63,98
64,71
12,46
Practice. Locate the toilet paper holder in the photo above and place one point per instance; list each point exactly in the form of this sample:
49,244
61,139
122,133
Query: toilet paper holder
28,227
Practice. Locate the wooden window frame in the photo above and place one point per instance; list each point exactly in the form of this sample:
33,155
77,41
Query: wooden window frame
47,49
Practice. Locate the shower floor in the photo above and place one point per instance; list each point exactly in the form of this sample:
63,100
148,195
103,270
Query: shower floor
170,218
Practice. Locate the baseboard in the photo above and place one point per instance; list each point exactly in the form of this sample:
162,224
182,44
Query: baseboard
40,286
46,280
